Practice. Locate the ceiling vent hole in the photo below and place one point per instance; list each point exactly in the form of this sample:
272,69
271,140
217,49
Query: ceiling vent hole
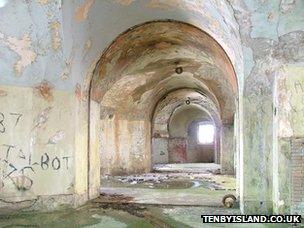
179,70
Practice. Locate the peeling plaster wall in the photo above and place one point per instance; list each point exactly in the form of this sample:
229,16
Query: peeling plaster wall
35,161
39,111
289,171
272,39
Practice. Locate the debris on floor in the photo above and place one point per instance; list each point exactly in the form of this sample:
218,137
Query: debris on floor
170,188
113,198
171,180
212,168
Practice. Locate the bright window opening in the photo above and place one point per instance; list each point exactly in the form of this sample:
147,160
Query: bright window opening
205,133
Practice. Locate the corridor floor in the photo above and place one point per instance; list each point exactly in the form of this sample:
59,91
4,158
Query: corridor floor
162,199
171,188
103,215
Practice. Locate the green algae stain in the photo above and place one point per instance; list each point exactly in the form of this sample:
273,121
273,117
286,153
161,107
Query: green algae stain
86,216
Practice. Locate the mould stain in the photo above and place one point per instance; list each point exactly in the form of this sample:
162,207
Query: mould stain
44,89
82,11
3,93
55,34
23,48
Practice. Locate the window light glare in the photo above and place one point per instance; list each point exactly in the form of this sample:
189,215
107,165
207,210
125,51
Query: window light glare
2,3
205,133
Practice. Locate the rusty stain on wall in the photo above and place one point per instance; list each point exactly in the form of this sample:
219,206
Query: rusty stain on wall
44,89
3,93
82,11
78,92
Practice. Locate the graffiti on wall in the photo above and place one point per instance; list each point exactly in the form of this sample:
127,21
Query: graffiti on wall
18,165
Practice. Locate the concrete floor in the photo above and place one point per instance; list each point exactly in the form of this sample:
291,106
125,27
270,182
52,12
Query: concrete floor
144,201
96,214
193,189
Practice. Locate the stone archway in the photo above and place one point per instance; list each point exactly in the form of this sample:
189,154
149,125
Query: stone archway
162,139
137,70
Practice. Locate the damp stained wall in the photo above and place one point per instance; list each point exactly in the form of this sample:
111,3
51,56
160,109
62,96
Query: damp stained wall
48,51
272,38
289,166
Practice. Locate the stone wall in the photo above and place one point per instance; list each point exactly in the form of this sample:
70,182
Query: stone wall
272,39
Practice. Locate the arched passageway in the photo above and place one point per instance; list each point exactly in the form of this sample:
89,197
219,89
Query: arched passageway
153,85
184,128
175,129
140,68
